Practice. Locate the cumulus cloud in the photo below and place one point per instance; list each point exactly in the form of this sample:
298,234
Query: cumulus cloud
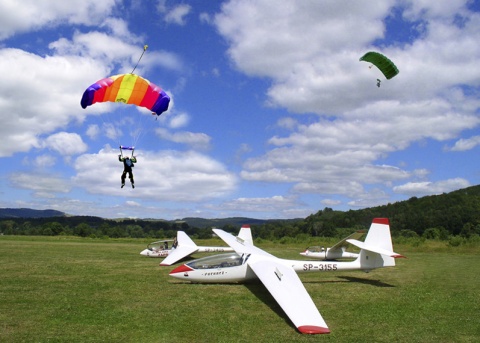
277,206
161,176
310,52
44,161
465,144
47,87
195,140
430,188
177,15
22,16
65,143
42,186
276,42
93,131
337,135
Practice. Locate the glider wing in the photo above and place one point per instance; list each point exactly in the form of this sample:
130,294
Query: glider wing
283,283
285,286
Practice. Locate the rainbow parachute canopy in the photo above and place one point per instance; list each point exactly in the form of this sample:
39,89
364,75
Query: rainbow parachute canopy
387,67
129,89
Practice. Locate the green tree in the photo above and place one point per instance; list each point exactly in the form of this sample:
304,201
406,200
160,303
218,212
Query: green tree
8,227
82,230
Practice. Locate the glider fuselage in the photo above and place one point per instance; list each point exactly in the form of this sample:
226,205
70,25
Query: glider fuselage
232,268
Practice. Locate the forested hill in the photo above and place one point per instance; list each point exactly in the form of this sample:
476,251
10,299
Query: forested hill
28,213
437,216
457,212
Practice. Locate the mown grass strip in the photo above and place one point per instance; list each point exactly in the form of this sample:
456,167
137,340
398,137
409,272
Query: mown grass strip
63,290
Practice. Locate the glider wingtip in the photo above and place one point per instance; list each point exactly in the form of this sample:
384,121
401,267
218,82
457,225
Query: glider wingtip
399,256
313,329
383,221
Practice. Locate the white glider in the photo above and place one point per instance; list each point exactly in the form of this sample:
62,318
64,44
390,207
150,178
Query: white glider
158,248
187,247
279,275
338,250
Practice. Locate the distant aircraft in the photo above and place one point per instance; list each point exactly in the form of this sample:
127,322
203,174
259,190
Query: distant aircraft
336,251
158,248
183,246
279,275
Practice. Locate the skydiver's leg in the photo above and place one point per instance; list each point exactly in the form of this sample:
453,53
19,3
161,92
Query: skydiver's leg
123,178
130,176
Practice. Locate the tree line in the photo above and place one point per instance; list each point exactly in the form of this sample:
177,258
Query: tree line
432,217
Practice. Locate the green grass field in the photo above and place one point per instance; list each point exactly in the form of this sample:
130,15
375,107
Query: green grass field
65,289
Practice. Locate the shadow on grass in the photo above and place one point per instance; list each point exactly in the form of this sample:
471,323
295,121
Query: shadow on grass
376,283
258,289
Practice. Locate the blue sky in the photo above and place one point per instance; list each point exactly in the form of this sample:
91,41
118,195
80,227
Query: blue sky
272,113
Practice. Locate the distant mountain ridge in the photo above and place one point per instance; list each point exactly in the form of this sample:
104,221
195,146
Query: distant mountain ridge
19,213
29,213
235,221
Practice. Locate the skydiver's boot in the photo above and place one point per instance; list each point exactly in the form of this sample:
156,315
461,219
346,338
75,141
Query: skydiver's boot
133,186
122,185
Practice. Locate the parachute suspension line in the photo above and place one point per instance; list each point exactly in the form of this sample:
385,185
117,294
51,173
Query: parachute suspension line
108,124
143,52
141,127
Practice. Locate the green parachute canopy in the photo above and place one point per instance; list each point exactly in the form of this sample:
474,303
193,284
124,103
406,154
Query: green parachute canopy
386,66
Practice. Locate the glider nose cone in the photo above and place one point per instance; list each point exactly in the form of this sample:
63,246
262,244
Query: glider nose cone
144,252
181,272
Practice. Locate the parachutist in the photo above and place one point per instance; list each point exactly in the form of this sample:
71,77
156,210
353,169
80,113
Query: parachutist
128,164
386,66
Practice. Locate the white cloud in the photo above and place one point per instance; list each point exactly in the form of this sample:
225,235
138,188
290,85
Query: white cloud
330,202
177,14
465,144
43,186
335,134
29,15
310,53
160,176
65,143
195,140
93,131
430,188
374,197
277,206
47,87
44,161
179,120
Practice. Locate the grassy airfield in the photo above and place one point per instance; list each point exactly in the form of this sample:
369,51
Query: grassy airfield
65,289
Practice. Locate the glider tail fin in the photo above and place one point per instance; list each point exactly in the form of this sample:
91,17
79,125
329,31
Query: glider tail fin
245,234
377,250
184,240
